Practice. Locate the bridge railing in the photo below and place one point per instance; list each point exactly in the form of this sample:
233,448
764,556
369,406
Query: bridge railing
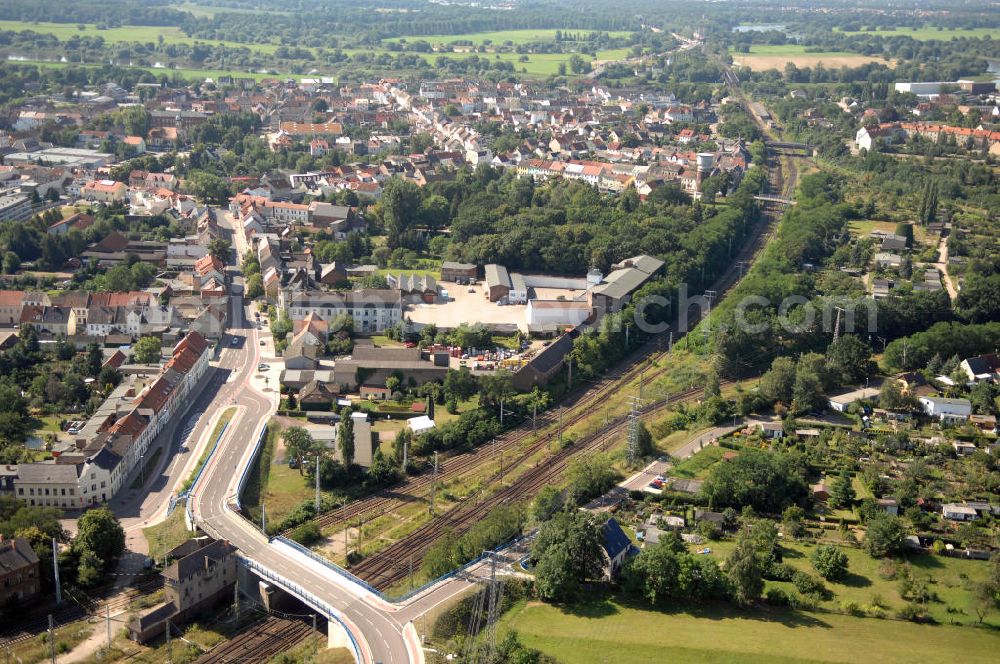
395,599
308,597
245,473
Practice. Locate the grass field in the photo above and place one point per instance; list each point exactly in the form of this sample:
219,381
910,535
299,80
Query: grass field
775,57
211,10
167,534
863,585
499,37
930,33
189,74
126,33
608,631
540,64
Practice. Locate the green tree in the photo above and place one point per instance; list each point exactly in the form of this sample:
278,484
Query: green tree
767,481
494,388
345,437
830,562
777,383
885,536
548,501
645,446
986,594
147,350
842,493
99,532
568,552
849,359
298,445
255,286
219,248
400,208
11,262
745,570
460,385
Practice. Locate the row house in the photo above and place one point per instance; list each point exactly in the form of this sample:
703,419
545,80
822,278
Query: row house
122,434
373,310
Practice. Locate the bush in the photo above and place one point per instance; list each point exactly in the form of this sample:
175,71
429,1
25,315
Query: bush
851,607
779,572
912,612
307,534
808,585
830,562
777,597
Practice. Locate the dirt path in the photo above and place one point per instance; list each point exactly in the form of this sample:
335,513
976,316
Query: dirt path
942,266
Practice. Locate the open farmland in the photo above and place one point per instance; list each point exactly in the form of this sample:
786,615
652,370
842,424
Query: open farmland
930,33
500,37
126,33
763,57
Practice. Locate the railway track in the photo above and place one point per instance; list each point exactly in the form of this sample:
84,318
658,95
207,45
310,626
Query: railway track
77,606
392,564
260,642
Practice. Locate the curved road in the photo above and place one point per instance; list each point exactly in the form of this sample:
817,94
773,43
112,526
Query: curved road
382,637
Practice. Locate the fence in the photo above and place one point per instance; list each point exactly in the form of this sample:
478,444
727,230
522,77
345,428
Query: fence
194,482
378,593
245,474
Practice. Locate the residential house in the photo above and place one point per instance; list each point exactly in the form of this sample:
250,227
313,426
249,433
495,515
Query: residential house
617,548
982,368
19,571
201,577
946,410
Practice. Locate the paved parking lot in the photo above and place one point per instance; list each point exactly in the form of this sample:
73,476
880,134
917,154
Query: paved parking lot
464,307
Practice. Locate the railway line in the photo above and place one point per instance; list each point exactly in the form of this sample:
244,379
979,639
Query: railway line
259,642
392,564
77,606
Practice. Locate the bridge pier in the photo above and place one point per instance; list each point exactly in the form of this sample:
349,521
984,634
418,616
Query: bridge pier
337,636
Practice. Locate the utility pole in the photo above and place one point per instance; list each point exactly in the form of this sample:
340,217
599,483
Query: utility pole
316,500
263,519
633,430
236,599
569,385
315,640
107,623
670,344
501,414
55,569
170,659
836,325
434,482
709,295
534,414
405,451
52,639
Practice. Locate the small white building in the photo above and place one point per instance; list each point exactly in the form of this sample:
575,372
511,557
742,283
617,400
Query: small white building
841,402
947,410
958,512
559,312
419,425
